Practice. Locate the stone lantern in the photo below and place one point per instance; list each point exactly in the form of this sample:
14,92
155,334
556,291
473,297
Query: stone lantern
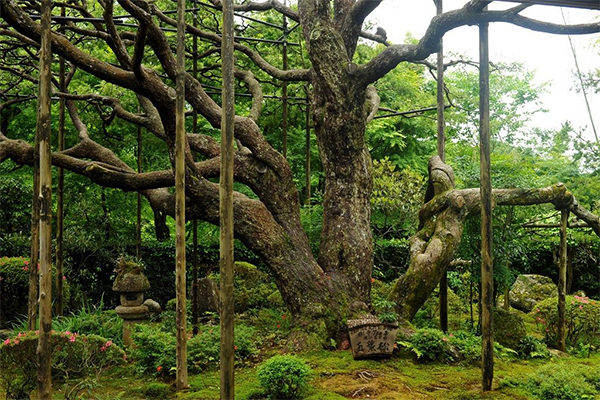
131,283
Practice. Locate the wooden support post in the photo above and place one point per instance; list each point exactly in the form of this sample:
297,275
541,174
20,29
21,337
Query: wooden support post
59,303
195,288
138,224
284,90
487,278
307,149
44,130
180,139
226,206
441,145
562,280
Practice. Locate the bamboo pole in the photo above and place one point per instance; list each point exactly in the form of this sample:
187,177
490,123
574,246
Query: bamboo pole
226,206
487,279
562,280
180,284
43,351
441,144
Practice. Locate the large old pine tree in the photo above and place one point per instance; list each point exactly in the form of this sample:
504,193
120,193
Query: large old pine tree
320,292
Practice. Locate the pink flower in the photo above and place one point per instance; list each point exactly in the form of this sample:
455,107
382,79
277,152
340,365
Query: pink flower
159,368
103,348
16,341
64,278
67,333
108,344
72,339
21,334
278,326
580,307
25,268
26,262
7,341
445,339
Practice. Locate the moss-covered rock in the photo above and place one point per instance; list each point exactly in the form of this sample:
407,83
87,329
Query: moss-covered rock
509,327
530,289
252,286
130,282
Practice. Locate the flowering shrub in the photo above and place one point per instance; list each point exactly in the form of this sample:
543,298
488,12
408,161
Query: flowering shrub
73,355
14,277
283,377
582,320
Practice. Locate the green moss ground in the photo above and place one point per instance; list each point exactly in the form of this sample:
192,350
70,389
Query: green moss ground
337,376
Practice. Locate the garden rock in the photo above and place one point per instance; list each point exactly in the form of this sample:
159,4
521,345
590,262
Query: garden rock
208,296
530,289
153,306
509,327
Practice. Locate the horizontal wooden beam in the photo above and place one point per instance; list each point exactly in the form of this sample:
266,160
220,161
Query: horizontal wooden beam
591,4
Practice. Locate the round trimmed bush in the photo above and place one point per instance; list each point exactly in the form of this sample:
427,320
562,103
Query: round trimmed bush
283,377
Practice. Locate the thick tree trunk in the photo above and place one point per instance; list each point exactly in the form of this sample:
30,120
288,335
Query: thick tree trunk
346,249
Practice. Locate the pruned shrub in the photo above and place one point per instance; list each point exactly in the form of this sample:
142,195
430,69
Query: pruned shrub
283,377
509,327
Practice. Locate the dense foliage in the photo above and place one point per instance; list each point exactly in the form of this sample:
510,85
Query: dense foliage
73,356
283,377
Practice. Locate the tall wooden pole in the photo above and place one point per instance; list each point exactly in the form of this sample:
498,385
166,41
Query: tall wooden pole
441,149
59,303
487,279
307,149
43,351
138,223
284,90
226,206
195,288
180,284
562,280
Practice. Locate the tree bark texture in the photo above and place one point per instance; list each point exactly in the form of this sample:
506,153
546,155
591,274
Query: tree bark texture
226,211
180,145
43,351
59,303
487,266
